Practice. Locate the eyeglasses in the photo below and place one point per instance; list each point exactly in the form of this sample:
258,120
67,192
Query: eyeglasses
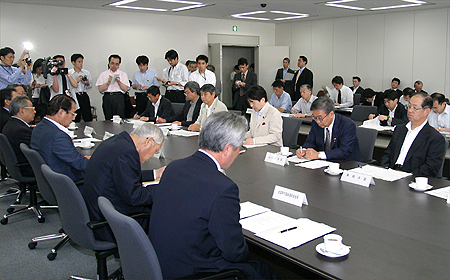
29,107
414,108
318,119
74,114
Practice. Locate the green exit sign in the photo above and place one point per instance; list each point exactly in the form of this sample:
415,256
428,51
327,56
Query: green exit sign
234,28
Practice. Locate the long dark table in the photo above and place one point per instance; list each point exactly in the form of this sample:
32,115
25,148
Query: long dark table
395,232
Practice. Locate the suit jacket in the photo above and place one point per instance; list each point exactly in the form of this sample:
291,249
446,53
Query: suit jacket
289,84
4,118
360,90
425,155
183,114
306,77
114,171
58,151
344,142
269,128
18,132
217,106
379,100
400,115
194,224
165,110
240,102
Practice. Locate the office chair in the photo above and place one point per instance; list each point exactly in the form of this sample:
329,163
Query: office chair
137,255
362,112
25,183
366,139
3,177
177,107
237,112
441,170
36,160
291,126
356,99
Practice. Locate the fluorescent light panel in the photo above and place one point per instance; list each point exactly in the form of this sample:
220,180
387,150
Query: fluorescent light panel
293,15
182,2
123,2
338,4
414,3
188,7
142,8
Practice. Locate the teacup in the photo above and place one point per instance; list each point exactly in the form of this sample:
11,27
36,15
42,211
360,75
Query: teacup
85,143
333,242
421,182
174,126
71,134
334,167
284,151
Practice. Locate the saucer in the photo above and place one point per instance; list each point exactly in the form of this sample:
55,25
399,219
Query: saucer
72,127
326,170
412,185
87,147
320,248
289,154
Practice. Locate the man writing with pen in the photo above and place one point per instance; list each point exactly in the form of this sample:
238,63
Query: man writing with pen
332,136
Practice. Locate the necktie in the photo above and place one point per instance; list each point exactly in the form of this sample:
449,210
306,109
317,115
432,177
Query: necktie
339,97
327,139
296,80
241,91
64,83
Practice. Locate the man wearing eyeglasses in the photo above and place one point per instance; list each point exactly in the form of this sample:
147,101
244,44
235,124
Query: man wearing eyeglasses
332,136
416,147
51,139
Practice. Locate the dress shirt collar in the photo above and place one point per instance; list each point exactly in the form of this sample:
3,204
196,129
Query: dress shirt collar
212,104
194,102
301,69
408,126
393,111
330,128
157,102
59,126
446,110
6,109
21,120
213,159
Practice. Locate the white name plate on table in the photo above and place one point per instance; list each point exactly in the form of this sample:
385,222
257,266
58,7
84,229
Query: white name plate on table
88,131
357,178
107,135
276,158
289,196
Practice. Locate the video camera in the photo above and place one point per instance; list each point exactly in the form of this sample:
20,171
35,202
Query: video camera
49,63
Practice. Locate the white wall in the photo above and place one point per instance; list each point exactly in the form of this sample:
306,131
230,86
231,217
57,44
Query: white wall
98,33
410,45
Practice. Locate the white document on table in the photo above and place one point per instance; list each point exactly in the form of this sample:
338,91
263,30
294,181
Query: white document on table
249,209
295,233
265,221
381,173
90,139
133,121
441,193
375,124
314,164
296,159
254,146
287,115
163,124
184,133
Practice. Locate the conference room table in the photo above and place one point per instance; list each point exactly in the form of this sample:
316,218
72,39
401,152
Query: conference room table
394,231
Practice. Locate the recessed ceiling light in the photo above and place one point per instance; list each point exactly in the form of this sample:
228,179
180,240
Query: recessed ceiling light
188,7
338,4
143,8
246,15
293,15
413,4
123,2
182,2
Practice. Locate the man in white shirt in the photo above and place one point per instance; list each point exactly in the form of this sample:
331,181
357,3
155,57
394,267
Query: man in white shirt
84,80
416,147
280,99
113,84
142,80
302,108
202,75
439,117
404,99
174,78
60,82
341,95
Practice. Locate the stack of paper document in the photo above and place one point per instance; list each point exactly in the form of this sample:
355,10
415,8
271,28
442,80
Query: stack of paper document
375,124
254,146
314,164
287,115
184,133
389,175
296,159
249,209
441,193
265,221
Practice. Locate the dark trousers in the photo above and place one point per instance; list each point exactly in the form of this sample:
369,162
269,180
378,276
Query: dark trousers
141,102
85,107
113,104
176,96
240,103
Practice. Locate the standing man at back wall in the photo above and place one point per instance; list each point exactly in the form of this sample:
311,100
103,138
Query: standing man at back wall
301,77
174,78
285,74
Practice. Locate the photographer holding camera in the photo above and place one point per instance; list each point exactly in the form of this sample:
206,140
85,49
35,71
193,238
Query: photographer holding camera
83,78
10,74
59,81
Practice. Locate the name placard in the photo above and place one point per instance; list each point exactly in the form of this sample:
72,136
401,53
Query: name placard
276,159
107,135
117,121
289,196
357,178
88,131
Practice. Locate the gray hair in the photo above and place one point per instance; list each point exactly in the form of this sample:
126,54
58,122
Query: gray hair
193,86
323,103
17,103
220,129
307,86
149,130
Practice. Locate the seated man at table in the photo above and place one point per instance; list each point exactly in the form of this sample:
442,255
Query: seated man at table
341,94
194,226
157,106
6,95
211,105
404,99
191,108
416,147
114,171
18,130
332,136
302,108
439,117
51,139
266,124
391,113
280,99
372,98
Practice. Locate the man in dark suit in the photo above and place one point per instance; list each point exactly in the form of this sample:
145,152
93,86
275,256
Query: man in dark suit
395,83
356,88
372,98
156,102
194,226
18,130
301,77
243,81
390,113
114,171
191,108
332,136
51,139
416,147
281,75
6,95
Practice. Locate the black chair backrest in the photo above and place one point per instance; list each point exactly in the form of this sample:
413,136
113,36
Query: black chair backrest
291,127
237,112
356,99
366,139
362,112
177,107
35,159
11,160
441,170
137,255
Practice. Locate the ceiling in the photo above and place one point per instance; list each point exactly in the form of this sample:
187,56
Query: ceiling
224,9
